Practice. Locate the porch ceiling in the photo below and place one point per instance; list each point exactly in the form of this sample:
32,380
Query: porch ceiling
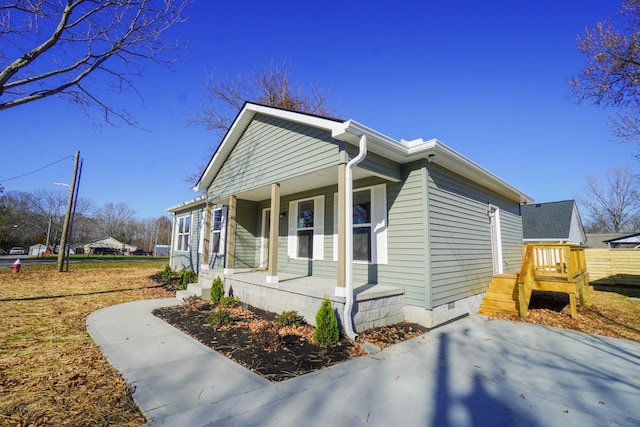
318,179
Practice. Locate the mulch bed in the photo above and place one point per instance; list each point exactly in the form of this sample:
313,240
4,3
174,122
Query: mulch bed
255,341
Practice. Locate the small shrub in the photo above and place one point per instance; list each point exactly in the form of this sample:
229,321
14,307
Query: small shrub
229,302
217,290
188,276
167,273
290,318
326,332
219,318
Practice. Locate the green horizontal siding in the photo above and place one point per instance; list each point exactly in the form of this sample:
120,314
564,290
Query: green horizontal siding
406,236
460,236
247,234
272,150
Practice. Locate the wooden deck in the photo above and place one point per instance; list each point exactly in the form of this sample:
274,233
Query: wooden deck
555,268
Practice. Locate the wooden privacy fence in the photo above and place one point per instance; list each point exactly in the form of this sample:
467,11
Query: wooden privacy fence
615,267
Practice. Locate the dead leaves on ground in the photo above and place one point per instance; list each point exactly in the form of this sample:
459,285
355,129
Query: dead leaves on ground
51,372
607,314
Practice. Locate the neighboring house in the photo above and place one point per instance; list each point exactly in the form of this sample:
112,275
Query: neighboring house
630,241
107,242
429,227
161,250
37,249
599,240
553,222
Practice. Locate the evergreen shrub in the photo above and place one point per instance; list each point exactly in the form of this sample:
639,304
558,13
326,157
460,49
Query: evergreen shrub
217,290
326,332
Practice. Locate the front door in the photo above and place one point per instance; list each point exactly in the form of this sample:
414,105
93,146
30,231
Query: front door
264,240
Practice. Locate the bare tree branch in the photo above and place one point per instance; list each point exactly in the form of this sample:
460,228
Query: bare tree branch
48,47
612,204
611,76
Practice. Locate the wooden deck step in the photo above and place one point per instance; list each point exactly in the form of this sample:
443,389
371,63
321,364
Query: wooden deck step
502,296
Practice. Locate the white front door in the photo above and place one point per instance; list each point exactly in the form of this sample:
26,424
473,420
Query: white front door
496,239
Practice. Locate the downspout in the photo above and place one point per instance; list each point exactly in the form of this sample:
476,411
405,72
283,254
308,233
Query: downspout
348,306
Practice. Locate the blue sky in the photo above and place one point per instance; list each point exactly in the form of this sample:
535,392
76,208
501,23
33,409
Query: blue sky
486,78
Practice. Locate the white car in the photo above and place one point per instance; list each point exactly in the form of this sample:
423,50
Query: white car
16,251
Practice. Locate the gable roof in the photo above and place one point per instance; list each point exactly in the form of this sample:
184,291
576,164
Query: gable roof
350,131
551,221
628,241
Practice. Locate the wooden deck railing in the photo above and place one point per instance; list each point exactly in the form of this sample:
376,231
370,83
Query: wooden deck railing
554,267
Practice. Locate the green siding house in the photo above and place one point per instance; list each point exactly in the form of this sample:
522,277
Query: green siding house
296,207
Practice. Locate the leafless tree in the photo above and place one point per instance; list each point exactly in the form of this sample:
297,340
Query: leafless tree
51,47
613,204
112,219
610,77
270,85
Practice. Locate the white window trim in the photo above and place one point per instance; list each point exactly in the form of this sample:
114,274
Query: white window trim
378,225
177,232
222,231
203,220
318,228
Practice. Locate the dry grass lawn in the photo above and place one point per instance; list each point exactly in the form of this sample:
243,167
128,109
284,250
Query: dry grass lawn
51,371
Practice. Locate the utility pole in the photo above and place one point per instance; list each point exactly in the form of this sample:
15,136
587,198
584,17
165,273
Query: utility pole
67,217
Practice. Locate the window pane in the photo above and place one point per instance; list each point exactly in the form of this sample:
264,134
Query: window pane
305,214
216,242
305,244
187,223
362,243
217,219
362,207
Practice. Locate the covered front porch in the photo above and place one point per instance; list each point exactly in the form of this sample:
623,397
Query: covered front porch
374,304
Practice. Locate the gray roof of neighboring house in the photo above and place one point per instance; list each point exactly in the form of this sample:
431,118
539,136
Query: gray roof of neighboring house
547,221
629,240
599,240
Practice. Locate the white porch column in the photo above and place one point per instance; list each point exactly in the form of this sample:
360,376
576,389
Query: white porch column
274,232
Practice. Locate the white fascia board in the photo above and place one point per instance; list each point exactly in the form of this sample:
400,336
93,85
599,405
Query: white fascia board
188,204
406,151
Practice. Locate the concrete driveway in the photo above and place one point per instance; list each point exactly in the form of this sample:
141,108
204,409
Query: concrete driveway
472,372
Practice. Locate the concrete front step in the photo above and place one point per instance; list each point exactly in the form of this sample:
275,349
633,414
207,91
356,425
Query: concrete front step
201,291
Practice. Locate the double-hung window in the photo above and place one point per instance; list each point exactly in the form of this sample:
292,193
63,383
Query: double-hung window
362,225
183,233
369,225
306,228
218,231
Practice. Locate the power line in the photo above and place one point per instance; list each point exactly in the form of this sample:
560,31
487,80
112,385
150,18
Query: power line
37,170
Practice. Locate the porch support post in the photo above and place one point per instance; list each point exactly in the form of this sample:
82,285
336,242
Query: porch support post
342,229
231,236
274,232
207,235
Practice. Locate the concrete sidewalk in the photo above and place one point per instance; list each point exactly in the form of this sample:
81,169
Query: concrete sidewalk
472,372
